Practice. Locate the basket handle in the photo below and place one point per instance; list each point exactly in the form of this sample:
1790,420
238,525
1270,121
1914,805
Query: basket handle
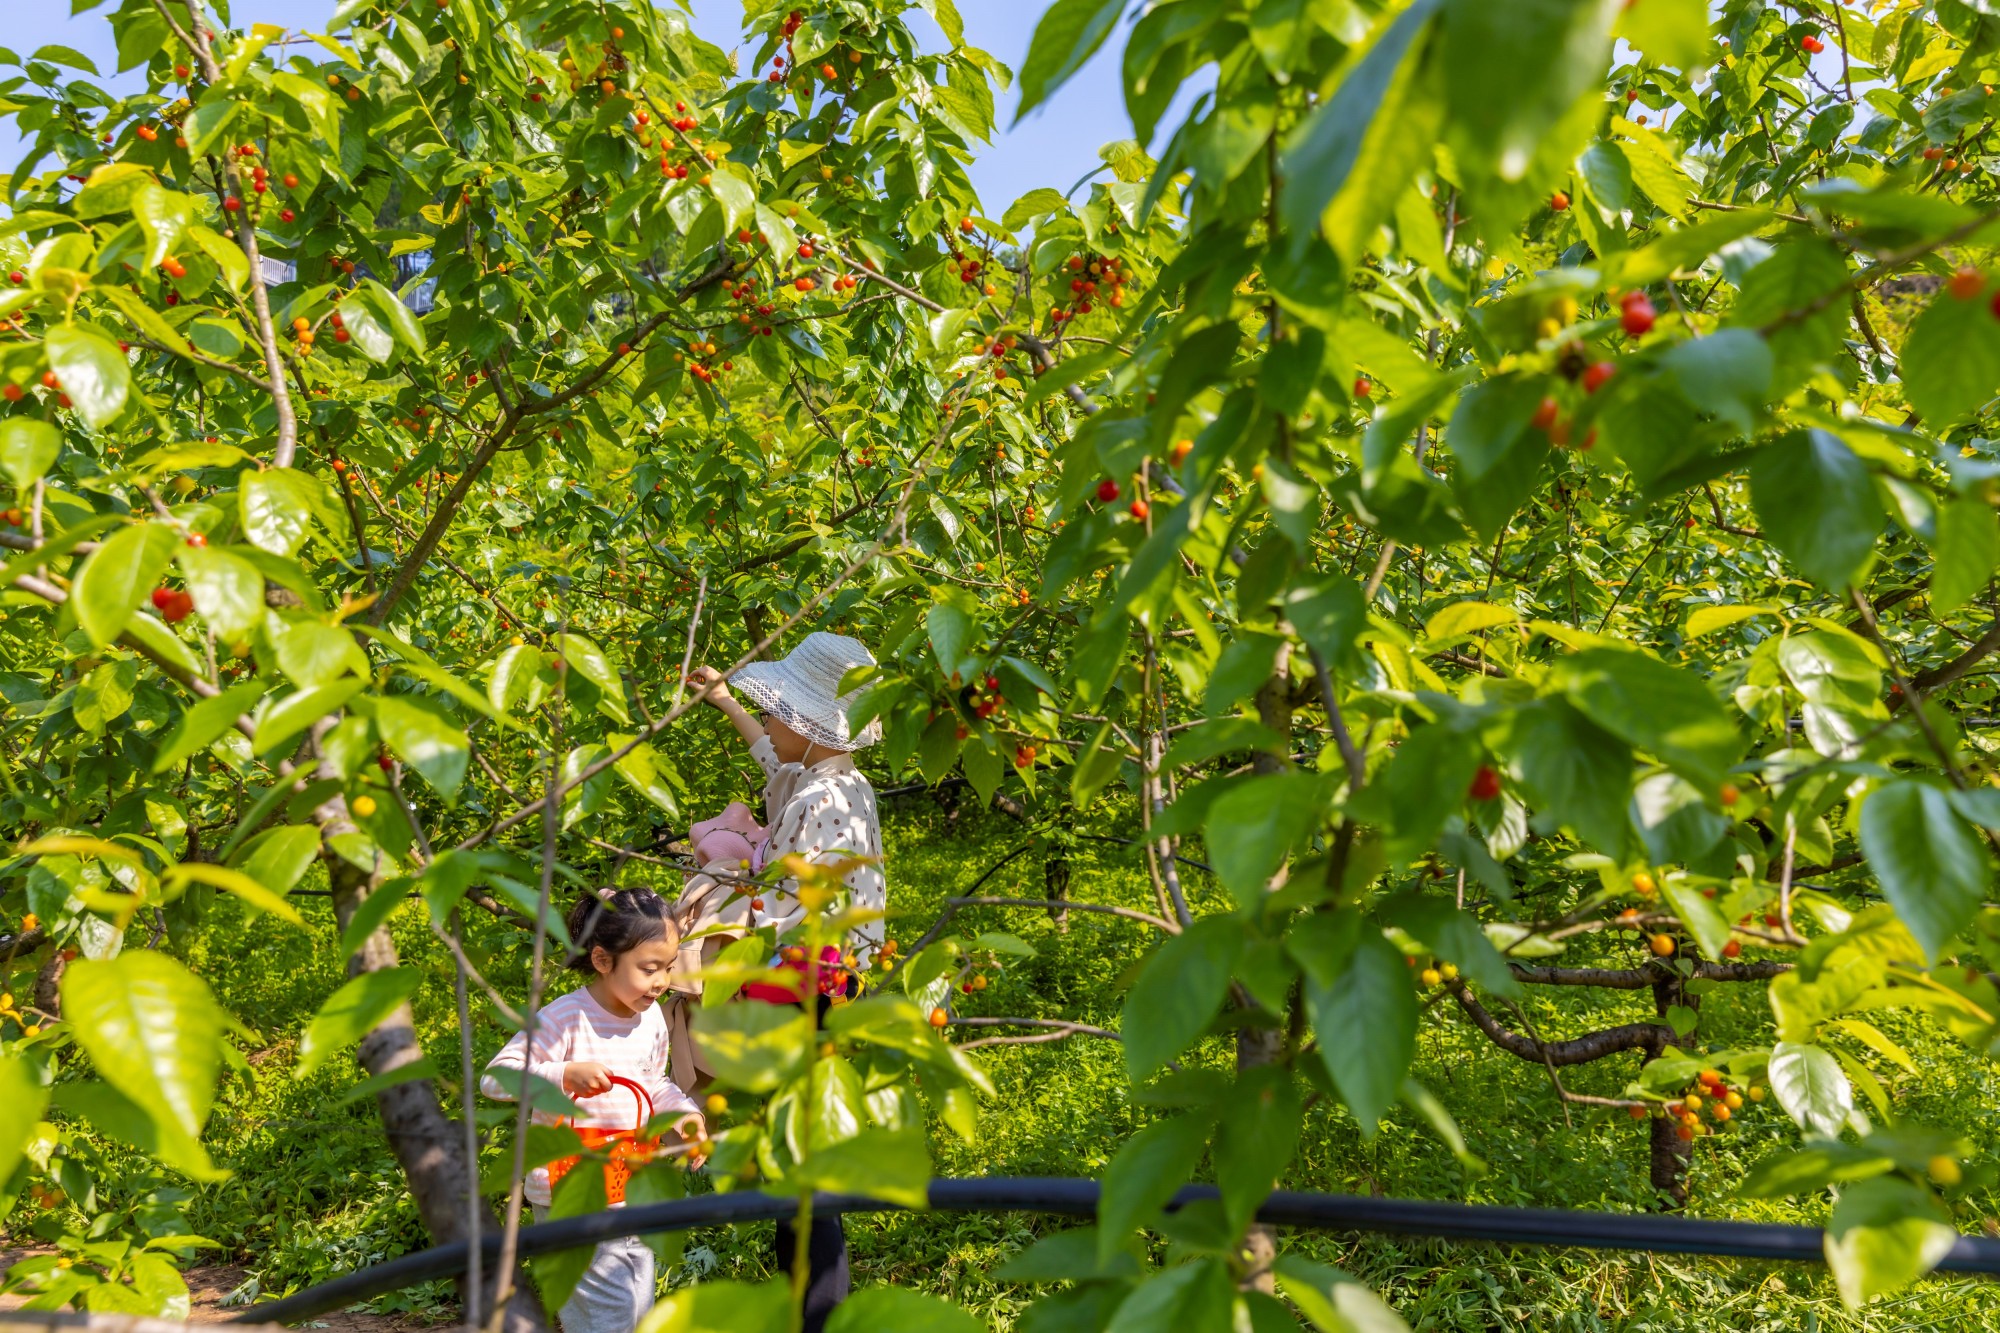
642,1100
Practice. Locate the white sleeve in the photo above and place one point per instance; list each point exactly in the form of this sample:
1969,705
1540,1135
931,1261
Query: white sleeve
766,756
546,1062
666,1094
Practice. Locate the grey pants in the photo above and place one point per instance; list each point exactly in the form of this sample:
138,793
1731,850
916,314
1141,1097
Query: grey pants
614,1292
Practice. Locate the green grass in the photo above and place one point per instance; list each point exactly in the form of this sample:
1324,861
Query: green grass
315,1192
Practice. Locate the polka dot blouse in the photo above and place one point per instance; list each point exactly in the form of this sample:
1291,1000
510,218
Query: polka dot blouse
824,812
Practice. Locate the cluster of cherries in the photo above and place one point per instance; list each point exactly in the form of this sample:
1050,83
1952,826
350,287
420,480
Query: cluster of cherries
173,604
1709,1095
1108,490
1089,276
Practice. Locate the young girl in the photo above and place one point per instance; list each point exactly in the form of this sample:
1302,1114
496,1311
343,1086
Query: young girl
626,943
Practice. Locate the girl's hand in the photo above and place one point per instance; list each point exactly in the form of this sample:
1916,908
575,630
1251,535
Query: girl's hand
710,687
694,1129
585,1078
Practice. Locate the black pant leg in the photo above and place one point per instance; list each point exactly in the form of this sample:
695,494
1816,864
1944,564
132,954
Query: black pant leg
827,1278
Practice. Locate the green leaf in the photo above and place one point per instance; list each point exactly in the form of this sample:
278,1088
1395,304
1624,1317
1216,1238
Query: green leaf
206,723
1178,993
1372,995
23,1098
233,882
425,740
1670,32
91,370
1145,1173
1253,826
1884,1234
891,1164
227,254
278,858
723,1307
227,589
898,1309
1685,247
1702,918
1333,1301
1578,773
1187,1298
352,1012
322,111
152,1029
1809,1084
1812,1168
119,575
276,507
27,450
1654,707
1513,72
1657,170
1423,786
367,331
1500,456
209,122
1817,504
754,1046
313,653
1067,36
648,772
1932,868
1727,375
1965,552
112,1113
1951,360
1347,162
591,663
111,189
1255,1140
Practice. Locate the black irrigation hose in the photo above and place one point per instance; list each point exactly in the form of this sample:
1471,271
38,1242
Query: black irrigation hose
1078,1198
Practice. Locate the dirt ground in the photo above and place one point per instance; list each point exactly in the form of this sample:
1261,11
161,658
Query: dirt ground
208,1284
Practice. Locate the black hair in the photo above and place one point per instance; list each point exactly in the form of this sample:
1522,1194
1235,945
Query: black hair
617,921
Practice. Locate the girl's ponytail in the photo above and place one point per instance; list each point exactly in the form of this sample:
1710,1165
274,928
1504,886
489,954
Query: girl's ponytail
616,921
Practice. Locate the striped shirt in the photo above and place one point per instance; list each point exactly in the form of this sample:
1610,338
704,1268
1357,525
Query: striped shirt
575,1027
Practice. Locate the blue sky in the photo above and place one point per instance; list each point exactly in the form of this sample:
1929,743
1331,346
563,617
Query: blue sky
1054,146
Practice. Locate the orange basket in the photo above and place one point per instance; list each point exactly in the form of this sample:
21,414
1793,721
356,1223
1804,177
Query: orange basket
628,1150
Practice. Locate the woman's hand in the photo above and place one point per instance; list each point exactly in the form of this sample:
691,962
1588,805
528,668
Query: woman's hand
585,1078
710,686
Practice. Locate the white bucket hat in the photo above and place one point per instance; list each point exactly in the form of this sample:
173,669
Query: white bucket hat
801,690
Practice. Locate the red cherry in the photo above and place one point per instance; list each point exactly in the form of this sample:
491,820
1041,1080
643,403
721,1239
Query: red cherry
1559,202
287,215
1362,388
1485,784
1107,490
197,539
1545,415
1139,510
161,597
1596,376
1638,317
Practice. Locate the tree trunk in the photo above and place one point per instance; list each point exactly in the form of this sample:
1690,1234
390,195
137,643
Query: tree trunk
48,986
429,1145
1258,1045
1670,1152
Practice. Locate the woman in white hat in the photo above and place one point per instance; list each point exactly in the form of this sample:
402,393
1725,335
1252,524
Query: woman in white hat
820,806
817,803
